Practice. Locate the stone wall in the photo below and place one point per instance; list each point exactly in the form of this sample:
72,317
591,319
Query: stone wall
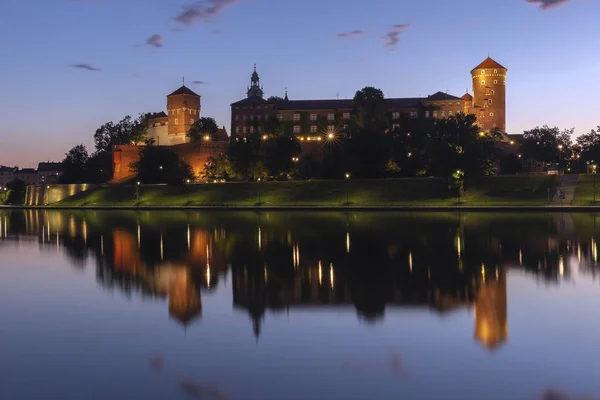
42,195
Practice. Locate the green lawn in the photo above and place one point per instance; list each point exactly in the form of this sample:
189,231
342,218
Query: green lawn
503,190
584,193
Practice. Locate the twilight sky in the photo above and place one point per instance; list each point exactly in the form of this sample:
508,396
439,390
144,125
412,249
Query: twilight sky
70,65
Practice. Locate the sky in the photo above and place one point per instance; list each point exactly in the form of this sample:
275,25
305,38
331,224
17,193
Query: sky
68,66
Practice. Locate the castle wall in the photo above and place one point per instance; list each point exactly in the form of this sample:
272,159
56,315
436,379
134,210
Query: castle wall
42,195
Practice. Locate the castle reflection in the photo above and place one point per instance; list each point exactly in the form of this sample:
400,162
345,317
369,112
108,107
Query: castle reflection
281,262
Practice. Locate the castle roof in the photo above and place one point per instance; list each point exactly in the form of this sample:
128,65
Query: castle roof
488,63
183,90
50,166
254,100
155,115
439,96
467,97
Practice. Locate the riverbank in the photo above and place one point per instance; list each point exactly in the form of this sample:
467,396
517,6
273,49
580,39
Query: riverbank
512,192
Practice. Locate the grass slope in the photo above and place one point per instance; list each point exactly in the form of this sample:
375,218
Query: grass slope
508,190
584,193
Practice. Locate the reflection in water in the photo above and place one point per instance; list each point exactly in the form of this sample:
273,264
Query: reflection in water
281,261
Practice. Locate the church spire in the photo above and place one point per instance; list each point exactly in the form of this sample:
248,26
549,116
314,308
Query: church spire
286,96
255,90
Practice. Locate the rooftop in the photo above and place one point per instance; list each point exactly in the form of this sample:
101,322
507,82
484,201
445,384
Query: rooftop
183,90
488,63
50,166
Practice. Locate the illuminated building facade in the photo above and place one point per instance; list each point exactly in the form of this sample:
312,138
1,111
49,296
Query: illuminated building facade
313,120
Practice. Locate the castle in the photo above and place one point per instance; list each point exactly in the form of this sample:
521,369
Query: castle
314,119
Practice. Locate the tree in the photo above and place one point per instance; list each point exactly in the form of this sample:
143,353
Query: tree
16,192
279,154
125,132
370,110
548,144
99,167
275,98
589,145
203,127
161,165
218,168
273,127
75,165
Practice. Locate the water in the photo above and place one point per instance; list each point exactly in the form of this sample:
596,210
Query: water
216,305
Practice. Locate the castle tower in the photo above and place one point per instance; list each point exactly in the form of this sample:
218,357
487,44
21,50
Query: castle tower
489,95
183,107
255,90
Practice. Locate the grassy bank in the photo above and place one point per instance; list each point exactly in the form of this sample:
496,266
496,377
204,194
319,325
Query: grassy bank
584,193
489,191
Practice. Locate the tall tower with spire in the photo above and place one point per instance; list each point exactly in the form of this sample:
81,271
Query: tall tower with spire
489,95
255,90
183,107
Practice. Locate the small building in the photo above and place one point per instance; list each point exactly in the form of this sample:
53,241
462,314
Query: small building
49,172
27,175
7,174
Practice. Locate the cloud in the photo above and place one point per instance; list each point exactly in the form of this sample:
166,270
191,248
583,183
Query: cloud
392,37
346,35
155,40
89,67
203,11
198,83
548,4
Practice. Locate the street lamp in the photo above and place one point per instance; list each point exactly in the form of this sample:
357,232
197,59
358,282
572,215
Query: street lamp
161,167
137,191
347,189
594,173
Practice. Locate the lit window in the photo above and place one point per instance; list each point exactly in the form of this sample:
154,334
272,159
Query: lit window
251,129
435,114
313,129
346,115
395,115
245,130
252,117
443,114
482,72
495,71
190,111
313,117
237,117
491,114
237,129
258,117
495,82
413,114
296,129
330,128
490,102
450,113
427,114
483,82
296,117
330,117
191,121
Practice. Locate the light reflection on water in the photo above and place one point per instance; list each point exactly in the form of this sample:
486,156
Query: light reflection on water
297,305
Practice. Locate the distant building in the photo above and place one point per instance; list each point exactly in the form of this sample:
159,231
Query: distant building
7,174
27,175
183,108
314,119
49,172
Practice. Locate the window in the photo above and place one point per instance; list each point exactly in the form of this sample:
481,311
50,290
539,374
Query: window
296,129
251,129
313,129
395,126
346,115
395,115
450,113
237,129
443,114
279,117
490,102
413,114
260,129
296,117
313,117
192,121
482,72
493,92
237,117
258,117
190,111
435,114
495,82
330,117
427,114
176,121
245,130
331,128
491,114
483,82
495,71
252,117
